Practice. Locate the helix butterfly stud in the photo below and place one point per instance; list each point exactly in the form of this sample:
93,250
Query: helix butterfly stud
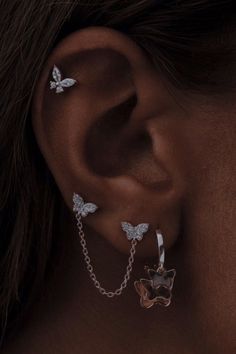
133,233
60,84
157,289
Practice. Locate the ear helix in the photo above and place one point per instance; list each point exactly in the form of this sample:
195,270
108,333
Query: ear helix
60,84
155,290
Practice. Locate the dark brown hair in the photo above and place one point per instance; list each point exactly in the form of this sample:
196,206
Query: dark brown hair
191,43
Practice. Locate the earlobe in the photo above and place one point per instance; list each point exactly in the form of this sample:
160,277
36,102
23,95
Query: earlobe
94,135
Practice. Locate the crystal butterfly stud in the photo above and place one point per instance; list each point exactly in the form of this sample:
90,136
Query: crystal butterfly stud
134,232
59,84
82,208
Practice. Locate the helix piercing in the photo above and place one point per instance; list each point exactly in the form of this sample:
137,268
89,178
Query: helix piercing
60,84
133,233
158,288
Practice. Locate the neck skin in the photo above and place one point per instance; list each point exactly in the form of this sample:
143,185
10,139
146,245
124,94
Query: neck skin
72,317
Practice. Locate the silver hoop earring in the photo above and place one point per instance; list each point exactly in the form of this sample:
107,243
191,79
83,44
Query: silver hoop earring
157,290
59,84
133,233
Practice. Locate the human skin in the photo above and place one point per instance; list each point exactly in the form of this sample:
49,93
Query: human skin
184,182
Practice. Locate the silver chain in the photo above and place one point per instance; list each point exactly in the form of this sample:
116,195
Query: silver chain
90,269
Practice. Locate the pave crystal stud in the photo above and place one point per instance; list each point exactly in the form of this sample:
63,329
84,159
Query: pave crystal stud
134,232
60,84
81,208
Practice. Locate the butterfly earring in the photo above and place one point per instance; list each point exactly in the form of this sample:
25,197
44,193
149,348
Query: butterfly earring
134,234
157,289
81,208
59,84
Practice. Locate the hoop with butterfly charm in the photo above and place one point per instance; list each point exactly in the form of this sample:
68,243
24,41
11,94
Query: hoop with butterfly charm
157,289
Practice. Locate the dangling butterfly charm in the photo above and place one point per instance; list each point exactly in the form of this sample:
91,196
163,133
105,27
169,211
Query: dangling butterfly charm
60,84
157,290
134,232
82,208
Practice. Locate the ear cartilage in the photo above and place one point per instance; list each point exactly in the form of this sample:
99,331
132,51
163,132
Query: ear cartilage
59,84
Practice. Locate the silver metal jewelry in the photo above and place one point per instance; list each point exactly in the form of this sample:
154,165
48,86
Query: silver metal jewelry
60,84
81,208
157,290
134,234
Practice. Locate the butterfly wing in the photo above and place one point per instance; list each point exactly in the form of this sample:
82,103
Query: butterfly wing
56,74
170,275
88,208
128,229
59,89
78,203
140,230
142,287
68,82
151,273
52,85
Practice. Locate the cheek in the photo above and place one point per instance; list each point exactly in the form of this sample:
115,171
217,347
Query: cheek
210,263
209,242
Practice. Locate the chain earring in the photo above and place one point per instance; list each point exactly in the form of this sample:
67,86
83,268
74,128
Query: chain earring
133,233
60,84
158,288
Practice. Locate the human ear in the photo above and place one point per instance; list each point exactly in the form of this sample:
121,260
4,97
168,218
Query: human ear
111,137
